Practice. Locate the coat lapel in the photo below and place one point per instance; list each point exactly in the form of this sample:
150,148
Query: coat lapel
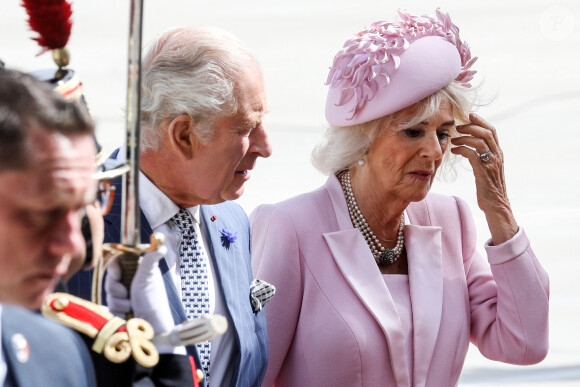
353,257
423,244
351,253
424,254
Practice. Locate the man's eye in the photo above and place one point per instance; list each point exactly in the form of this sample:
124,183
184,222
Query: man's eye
246,130
41,218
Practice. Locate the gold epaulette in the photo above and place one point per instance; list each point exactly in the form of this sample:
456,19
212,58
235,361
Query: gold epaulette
114,337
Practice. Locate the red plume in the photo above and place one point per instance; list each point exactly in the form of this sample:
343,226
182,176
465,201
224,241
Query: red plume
51,19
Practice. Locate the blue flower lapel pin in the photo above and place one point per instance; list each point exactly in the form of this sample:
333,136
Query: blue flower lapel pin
228,238
260,293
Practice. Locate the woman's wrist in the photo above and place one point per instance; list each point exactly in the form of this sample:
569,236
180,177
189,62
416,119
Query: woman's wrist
502,225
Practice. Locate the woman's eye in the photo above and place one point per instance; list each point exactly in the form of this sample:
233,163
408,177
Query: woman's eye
413,133
443,136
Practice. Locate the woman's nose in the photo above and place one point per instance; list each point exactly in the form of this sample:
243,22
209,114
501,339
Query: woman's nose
432,147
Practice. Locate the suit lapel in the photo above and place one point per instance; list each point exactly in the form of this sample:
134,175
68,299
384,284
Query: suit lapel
224,261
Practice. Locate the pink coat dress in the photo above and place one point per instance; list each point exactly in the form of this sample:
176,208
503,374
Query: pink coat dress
333,321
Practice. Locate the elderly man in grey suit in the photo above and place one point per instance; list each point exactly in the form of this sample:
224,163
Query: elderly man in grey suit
47,155
203,101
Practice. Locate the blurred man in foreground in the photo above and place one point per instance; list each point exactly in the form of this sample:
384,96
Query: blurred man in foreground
47,153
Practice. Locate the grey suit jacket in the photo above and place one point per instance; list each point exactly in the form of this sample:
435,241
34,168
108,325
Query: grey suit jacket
39,352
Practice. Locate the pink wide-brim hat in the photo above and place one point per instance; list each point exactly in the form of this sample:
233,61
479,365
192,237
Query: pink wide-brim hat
391,66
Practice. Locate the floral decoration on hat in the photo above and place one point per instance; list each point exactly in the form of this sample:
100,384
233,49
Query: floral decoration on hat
375,52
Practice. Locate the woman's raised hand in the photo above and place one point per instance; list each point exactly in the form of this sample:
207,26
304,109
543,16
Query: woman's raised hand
479,144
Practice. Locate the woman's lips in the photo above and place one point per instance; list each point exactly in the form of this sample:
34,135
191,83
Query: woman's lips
422,175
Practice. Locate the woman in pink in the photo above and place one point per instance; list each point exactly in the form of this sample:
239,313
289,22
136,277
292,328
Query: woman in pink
379,282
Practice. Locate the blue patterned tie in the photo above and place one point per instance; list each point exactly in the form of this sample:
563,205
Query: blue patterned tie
194,280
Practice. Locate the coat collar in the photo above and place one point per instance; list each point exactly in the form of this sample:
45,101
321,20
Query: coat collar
424,253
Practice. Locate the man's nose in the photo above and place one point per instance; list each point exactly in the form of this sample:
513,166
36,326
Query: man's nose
66,236
261,142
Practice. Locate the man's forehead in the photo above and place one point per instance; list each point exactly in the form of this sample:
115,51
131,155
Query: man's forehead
251,91
257,111
35,188
64,164
50,144
255,108
68,157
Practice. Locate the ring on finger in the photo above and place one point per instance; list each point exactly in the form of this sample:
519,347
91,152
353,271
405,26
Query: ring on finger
485,156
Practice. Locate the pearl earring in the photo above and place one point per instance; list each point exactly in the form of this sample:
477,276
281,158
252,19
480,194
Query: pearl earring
362,161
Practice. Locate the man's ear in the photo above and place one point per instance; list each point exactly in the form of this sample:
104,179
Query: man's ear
181,135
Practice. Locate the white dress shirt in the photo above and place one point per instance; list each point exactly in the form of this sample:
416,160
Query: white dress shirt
159,209
2,361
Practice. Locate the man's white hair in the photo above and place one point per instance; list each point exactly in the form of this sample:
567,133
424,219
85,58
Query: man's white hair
190,71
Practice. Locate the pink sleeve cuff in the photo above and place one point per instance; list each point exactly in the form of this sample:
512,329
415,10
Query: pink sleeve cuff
508,250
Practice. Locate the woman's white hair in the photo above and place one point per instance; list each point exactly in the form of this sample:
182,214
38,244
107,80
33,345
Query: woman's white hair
190,71
342,147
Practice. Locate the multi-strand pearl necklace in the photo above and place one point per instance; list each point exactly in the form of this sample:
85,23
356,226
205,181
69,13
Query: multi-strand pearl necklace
383,256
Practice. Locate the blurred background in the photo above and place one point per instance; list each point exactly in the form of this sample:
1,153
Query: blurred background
528,68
